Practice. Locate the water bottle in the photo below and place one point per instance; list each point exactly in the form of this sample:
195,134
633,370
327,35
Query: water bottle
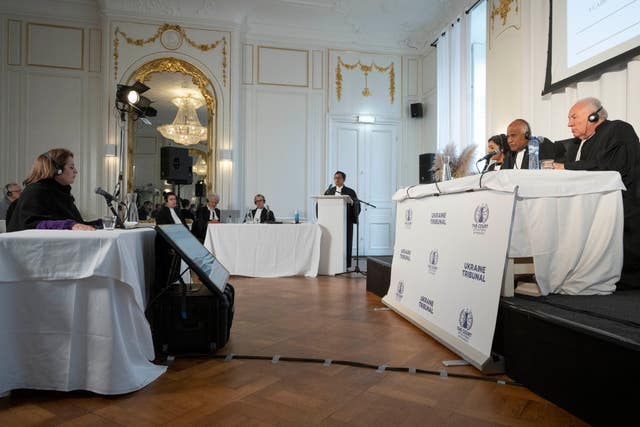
446,169
296,217
534,153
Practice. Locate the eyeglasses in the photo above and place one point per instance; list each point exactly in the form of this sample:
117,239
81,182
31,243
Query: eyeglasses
258,200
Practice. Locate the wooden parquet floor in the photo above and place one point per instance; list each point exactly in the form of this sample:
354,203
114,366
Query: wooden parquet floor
321,318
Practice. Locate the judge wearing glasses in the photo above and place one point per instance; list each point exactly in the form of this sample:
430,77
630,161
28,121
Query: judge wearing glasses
261,213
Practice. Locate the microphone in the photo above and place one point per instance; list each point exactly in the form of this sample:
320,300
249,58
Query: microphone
108,197
490,155
268,210
328,188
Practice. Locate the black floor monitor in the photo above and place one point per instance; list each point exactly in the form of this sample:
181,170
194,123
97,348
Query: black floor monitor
208,269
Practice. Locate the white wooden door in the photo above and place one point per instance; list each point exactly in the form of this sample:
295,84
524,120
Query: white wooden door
367,154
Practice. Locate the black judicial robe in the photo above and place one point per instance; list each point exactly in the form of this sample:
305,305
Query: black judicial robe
201,222
164,216
265,216
615,147
548,151
41,201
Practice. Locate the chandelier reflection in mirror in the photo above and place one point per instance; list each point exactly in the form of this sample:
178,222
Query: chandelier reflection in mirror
186,128
200,166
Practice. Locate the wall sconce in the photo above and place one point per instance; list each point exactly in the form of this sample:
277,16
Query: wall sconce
366,119
109,150
225,155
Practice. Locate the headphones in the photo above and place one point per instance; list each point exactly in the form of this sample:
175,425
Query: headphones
594,117
7,192
259,195
58,168
527,133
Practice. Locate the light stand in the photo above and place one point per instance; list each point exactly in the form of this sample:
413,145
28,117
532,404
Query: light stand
129,100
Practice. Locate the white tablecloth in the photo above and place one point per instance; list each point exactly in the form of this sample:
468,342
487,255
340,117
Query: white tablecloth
570,222
72,310
266,250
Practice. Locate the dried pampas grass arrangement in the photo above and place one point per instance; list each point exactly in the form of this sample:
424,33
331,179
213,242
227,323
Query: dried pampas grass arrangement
460,165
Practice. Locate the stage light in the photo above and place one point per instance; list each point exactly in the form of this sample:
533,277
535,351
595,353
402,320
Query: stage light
133,97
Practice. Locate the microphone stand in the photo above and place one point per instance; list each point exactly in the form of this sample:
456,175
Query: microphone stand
357,270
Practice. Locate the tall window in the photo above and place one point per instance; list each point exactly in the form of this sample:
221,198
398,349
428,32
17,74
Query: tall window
478,77
462,81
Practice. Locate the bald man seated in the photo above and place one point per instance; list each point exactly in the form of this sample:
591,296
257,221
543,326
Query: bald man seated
600,144
518,136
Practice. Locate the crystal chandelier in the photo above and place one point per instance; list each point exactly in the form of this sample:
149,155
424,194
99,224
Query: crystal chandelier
186,128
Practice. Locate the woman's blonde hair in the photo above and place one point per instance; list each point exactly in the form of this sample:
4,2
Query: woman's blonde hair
48,164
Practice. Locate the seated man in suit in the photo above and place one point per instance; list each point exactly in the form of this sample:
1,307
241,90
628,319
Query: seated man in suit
145,210
600,144
208,214
352,210
518,136
261,214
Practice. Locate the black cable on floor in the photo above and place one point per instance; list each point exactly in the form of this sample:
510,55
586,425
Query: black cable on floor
443,373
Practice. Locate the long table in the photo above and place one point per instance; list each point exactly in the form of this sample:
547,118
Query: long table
72,310
266,250
570,222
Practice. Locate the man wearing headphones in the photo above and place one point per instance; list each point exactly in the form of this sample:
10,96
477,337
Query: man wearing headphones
518,136
261,214
600,144
11,192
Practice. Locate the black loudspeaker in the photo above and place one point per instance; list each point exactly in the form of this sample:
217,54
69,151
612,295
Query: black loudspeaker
175,165
200,189
427,176
416,110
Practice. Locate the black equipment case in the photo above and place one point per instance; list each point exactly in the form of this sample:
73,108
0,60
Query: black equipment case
196,322
190,320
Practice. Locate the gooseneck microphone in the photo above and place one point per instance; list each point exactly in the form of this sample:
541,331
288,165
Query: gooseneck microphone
490,155
107,196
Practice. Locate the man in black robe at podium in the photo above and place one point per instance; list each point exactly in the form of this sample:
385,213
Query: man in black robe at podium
339,189
600,144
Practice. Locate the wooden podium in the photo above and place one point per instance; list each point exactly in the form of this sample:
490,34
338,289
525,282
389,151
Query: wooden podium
332,218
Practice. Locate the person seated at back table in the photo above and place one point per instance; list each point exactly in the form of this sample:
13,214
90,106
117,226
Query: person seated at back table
11,192
208,214
261,214
46,202
184,211
144,212
169,214
496,142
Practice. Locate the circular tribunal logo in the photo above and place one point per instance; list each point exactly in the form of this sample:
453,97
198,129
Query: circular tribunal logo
400,290
408,217
432,267
481,214
465,319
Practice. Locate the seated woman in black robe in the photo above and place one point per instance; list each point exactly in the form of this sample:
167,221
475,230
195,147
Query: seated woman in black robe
46,202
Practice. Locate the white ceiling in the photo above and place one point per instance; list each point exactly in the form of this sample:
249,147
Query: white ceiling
384,24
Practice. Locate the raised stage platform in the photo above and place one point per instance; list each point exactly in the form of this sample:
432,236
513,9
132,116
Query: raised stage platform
580,352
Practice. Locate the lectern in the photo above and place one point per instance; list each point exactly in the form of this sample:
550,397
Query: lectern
332,218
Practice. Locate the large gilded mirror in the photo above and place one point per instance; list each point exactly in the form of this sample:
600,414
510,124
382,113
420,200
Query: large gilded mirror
172,82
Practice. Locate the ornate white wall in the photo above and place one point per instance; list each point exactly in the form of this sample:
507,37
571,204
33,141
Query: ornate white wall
51,79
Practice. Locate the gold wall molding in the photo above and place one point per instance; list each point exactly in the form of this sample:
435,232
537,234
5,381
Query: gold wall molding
174,30
502,9
366,69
